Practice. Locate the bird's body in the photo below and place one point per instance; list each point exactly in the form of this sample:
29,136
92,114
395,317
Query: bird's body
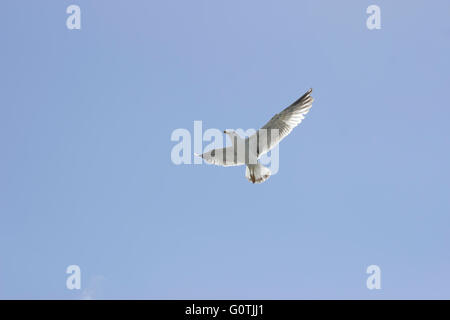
247,151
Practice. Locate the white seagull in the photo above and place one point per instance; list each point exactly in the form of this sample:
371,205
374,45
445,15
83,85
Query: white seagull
247,151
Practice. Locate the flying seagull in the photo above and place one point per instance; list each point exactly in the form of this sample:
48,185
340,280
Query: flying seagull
247,151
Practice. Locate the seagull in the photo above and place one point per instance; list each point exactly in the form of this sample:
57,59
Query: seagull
248,151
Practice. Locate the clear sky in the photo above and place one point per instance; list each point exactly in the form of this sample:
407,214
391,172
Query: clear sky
86,176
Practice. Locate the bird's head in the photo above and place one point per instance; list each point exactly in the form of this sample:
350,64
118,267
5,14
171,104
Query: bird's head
231,133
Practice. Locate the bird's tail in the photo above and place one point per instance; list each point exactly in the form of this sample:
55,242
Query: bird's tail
257,173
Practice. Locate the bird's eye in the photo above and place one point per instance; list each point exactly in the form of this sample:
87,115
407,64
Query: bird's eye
213,153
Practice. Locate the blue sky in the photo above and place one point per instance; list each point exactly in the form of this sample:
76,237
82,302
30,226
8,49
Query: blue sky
86,176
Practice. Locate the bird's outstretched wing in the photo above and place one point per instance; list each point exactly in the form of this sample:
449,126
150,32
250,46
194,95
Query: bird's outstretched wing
283,123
